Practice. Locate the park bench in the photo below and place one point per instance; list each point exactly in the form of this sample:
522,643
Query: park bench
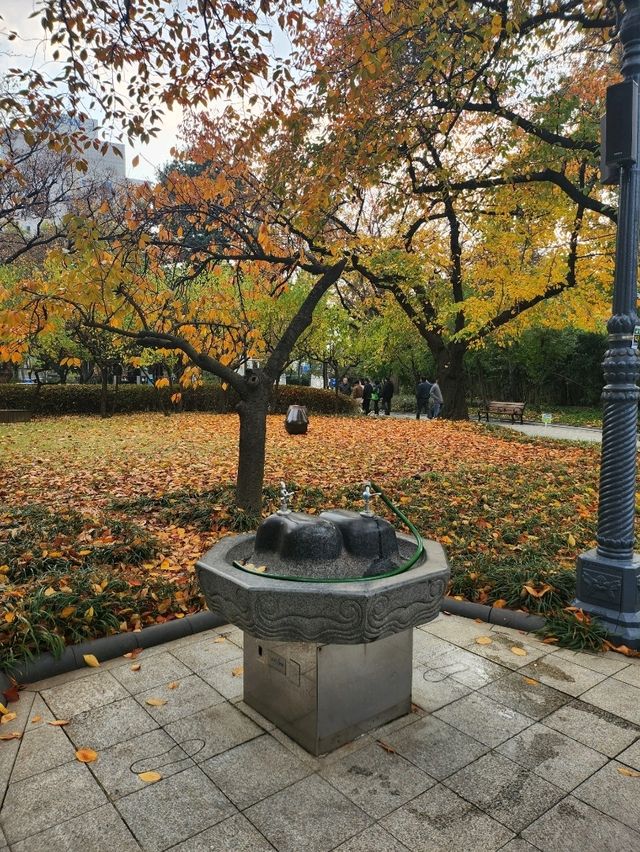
512,409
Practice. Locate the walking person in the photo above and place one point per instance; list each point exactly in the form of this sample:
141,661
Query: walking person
435,401
423,390
387,394
357,391
375,398
367,390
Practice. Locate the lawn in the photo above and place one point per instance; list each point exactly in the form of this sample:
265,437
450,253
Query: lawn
101,521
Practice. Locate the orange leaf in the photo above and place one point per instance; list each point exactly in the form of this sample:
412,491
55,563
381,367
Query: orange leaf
86,755
500,603
58,723
484,640
155,702
7,717
136,667
519,652
149,777
386,747
630,773
238,671
13,736
91,660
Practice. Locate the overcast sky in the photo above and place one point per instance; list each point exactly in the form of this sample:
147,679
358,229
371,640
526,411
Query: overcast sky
29,49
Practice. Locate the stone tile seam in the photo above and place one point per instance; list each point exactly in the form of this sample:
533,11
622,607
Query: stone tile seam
13,764
462,731
194,836
604,813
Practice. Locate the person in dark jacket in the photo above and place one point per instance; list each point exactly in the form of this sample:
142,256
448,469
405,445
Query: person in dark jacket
423,389
435,401
386,396
367,390
375,398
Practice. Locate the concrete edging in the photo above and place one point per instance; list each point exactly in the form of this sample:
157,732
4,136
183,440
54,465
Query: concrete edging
108,647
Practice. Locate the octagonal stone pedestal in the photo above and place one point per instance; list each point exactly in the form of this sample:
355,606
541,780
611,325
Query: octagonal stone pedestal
326,661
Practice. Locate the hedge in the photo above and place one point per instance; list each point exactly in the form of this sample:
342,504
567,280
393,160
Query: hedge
85,399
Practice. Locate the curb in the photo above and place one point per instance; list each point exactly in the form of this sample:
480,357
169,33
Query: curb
494,615
108,647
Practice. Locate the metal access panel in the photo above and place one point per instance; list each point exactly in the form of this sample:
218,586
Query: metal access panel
323,696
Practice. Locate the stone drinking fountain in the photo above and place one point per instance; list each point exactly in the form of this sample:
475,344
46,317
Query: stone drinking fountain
327,604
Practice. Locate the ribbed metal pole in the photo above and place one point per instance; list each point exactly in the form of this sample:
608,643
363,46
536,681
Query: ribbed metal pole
608,577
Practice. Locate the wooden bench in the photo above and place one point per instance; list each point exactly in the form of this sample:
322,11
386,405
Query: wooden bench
512,409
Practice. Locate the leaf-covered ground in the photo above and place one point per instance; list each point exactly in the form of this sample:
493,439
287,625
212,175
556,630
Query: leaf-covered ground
101,521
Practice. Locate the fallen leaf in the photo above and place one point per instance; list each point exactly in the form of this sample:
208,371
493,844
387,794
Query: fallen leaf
519,652
13,736
48,592
86,755
500,603
12,694
537,591
630,773
238,671
58,723
3,709
149,777
484,640
91,660
36,719
219,639
7,717
131,655
155,702
386,747
136,667
173,685
532,681
550,640
571,540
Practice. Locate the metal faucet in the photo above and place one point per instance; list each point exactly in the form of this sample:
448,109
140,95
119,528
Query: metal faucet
284,500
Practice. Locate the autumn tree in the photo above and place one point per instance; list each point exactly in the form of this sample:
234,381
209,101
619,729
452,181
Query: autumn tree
453,150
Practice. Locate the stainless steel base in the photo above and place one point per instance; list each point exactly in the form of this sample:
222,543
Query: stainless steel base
323,696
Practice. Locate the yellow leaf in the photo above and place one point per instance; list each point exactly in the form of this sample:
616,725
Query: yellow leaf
532,681
155,702
219,639
90,660
519,652
9,617
88,614
500,603
149,777
136,667
86,755
48,592
67,611
238,671
58,723
571,540
4,569
484,640
173,685
36,719
84,552
162,383
15,735
7,717
630,773
3,709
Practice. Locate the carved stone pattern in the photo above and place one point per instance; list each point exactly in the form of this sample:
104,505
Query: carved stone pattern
621,366
602,586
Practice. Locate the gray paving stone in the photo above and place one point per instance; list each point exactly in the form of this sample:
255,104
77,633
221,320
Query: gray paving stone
22,709
174,809
309,815
631,756
374,839
630,675
39,714
190,695
503,640
57,680
205,655
554,756
458,631
613,793
77,696
563,675
427,647
8,754
608,663
440,821
533,699
212,731
117,767
616,697
37,803
100,830
593,727
435,747
518,845
464,667
106,726
573,826
507,792
484,719
235,834
430,694
222,679
377,781
158,668
41,749
254,770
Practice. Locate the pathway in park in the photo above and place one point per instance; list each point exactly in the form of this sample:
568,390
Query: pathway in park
562,433
512,744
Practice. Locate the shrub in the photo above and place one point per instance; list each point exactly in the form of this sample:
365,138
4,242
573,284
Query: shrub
85,399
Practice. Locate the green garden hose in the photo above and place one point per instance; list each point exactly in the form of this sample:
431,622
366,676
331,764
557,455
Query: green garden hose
405,566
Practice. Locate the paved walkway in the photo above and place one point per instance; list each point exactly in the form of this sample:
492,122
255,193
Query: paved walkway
539,430
512,745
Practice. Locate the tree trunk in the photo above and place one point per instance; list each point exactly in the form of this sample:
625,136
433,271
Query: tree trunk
104,392
253,433
453,382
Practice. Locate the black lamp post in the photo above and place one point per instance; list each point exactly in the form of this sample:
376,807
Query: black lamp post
608,578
